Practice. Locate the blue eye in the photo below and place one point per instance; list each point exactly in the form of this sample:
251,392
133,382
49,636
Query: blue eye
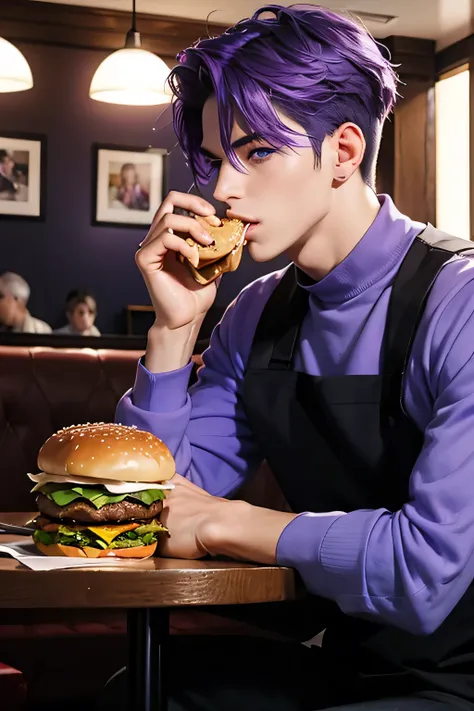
261,154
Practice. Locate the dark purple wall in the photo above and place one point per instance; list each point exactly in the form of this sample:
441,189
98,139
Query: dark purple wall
66,250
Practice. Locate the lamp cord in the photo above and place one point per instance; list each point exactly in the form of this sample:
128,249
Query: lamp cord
134,28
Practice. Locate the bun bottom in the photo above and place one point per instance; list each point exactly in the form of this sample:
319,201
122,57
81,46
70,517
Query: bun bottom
56,549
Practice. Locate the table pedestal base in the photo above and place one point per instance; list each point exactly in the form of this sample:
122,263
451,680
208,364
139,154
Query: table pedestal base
148,634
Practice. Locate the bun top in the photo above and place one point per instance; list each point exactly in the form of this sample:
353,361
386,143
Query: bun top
107,451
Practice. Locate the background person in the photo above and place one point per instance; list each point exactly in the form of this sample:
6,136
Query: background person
81,312
14,315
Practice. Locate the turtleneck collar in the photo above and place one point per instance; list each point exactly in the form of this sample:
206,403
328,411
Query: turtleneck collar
381,247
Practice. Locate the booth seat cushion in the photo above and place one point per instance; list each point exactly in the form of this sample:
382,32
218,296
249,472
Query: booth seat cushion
44,389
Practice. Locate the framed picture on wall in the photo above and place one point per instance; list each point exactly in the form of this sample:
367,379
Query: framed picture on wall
22,175
129,185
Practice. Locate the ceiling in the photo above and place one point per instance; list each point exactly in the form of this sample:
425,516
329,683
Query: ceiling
445,21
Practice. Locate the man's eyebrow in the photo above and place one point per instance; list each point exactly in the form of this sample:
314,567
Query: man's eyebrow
249,138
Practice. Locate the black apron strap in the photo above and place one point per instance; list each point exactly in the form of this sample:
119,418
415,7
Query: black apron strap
277,331
441,240
430,250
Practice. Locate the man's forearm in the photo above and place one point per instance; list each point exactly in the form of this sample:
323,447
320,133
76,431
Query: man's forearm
169,350
245,532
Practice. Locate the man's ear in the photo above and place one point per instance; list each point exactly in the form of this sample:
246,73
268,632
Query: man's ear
349,144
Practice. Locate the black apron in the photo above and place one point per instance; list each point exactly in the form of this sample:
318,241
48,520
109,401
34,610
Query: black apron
344,443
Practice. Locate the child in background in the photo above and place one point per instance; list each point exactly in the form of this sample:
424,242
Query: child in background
81,311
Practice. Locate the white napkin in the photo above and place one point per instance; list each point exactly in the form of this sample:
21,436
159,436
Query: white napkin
26,553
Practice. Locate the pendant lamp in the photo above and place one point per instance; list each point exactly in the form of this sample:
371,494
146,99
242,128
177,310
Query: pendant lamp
131,76
15,72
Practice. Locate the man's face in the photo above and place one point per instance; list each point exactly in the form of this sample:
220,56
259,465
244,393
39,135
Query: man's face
284,194
8,308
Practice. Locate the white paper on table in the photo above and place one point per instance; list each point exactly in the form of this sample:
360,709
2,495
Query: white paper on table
27,554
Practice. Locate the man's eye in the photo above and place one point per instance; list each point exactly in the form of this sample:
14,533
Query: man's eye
260,153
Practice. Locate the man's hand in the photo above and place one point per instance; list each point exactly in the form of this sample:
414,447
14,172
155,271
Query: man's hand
201,524
188,513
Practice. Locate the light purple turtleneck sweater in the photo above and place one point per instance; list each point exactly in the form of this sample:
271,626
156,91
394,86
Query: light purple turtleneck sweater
407,568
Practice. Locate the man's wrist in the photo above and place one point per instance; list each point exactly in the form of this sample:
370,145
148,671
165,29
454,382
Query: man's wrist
242,531
168,349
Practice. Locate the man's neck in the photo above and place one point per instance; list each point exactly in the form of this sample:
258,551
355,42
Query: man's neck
353,210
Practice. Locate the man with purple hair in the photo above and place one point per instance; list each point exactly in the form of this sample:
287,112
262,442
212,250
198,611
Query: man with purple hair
350,372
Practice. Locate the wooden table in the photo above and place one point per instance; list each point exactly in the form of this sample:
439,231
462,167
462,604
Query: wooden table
147,590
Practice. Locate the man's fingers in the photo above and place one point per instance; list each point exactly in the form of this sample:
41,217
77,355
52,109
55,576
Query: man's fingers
186,201
182,482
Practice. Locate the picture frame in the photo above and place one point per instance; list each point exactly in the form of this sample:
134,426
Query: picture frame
22,176
128,185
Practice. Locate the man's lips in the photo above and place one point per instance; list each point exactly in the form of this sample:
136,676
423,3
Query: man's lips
246,220
250,230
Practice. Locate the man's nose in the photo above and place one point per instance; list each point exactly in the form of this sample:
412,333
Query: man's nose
230,183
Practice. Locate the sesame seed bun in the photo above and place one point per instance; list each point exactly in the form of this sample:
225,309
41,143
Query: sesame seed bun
107,451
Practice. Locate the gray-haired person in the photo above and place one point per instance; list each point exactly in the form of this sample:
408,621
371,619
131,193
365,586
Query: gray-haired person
14,315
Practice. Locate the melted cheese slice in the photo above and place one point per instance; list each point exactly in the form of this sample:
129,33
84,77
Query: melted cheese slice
115,487
108,533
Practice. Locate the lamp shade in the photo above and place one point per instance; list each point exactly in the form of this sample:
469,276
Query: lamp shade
15,72
131,76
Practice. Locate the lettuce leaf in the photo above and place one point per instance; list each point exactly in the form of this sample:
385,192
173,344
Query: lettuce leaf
129,539
98,496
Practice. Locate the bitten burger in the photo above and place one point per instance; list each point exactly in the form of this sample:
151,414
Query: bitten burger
223,256
101,491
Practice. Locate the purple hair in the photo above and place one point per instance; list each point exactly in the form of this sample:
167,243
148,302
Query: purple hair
319,68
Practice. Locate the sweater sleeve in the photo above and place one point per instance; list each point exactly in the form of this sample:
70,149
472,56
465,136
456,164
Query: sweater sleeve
206,427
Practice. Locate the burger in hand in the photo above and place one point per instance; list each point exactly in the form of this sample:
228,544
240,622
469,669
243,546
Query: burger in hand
101,491
223,256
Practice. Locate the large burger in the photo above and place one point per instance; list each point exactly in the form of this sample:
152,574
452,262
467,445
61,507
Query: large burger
224,256
101,491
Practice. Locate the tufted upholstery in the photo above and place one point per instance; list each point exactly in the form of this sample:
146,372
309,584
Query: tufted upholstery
43,389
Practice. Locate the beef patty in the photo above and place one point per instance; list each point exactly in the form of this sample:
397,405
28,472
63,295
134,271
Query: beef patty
83,511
